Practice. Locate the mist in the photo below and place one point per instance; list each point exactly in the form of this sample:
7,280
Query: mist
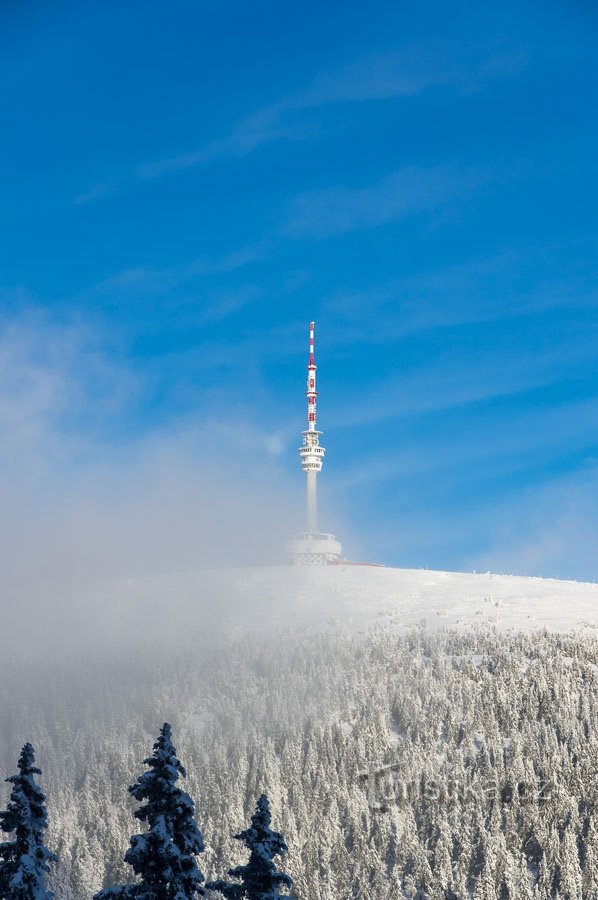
90,500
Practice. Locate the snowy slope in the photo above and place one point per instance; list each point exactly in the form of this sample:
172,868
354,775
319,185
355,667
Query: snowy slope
276,597
298,714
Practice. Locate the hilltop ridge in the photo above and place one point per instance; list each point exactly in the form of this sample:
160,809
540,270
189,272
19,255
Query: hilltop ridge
281,596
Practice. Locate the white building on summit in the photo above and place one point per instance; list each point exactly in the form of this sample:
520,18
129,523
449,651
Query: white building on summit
313,547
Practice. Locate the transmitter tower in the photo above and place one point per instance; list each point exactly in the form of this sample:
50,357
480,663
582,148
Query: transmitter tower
312,547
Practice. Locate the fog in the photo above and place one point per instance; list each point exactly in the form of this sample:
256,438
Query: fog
90,496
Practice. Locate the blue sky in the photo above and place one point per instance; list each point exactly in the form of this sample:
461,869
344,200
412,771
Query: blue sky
185,185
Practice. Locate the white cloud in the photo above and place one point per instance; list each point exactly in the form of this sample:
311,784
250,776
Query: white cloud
407,72
507,286
99,189
375,77
84,497
553,530
407,192
148,279
452,379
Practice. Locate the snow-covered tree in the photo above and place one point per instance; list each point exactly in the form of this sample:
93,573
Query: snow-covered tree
259,879
24,860
164,857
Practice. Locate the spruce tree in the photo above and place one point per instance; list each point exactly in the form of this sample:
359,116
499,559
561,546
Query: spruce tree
260,879
164,856
24,860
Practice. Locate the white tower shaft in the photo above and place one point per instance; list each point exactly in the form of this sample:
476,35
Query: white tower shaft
312,503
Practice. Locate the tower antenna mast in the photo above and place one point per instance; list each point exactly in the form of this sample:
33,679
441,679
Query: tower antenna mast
311,453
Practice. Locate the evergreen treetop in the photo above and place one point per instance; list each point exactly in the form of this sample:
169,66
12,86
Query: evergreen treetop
259,879
24,861
164,856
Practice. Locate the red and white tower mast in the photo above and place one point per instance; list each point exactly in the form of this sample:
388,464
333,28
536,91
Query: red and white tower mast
311,454
312,547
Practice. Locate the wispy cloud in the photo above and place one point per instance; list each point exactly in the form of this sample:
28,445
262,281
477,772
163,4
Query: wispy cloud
508,285
495,446
492,371
408,72
150,280
407,192
262,127
99,189
44,392
550,529
376,77
82,496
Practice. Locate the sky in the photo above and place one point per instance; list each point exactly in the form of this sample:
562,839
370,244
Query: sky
185,185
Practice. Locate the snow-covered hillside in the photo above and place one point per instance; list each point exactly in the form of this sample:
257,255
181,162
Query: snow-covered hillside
455,760
124,613
358,596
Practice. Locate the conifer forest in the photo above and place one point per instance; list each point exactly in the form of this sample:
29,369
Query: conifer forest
413,764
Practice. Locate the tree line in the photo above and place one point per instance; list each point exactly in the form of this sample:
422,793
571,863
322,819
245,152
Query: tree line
401,763
163,857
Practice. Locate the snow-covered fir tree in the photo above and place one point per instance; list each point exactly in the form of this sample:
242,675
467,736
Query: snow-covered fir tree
24,861
259,879
164,857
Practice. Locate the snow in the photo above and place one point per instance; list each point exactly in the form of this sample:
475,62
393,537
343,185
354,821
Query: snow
237,601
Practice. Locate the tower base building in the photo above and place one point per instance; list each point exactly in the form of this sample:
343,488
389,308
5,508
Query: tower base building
315,549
